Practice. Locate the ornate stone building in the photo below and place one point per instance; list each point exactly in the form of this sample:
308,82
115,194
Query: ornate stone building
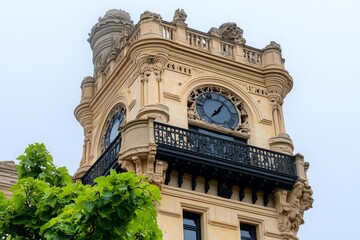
8,176
200,114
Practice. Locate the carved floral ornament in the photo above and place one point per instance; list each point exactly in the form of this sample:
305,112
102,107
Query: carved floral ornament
151,63
243,125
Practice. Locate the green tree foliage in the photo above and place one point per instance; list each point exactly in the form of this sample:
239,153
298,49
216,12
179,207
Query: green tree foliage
46,204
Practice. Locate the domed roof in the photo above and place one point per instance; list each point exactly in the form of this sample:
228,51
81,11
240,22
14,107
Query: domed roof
117,14
112,17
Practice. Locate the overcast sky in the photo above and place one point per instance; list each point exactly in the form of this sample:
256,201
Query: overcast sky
44,55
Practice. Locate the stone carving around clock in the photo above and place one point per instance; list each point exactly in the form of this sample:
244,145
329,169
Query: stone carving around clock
218,106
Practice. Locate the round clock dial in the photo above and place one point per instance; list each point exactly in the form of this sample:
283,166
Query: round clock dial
113,128
217,109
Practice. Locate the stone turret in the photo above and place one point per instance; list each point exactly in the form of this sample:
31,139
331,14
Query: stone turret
107,37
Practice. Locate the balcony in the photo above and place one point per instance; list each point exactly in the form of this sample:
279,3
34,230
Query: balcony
229,162
106,162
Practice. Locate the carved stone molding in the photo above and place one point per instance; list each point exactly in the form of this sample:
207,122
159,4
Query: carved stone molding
291,206
282,143
158,111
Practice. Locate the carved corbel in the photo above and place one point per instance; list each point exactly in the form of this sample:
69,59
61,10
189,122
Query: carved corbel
127,165
156,169
150,163
138,165
291,207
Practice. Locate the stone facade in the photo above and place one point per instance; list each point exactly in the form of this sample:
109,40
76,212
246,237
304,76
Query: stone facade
156,70
8,176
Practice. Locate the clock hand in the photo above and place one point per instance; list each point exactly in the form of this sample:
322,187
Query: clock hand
216,112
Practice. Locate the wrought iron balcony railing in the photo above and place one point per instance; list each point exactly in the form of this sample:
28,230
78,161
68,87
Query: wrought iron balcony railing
235,155
106,162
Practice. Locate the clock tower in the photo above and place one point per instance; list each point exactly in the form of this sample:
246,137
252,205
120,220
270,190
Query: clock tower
200,114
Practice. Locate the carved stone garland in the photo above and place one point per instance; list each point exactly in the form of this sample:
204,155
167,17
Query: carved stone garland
118,108
243,125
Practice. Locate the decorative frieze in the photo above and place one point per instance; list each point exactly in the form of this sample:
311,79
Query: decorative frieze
179,68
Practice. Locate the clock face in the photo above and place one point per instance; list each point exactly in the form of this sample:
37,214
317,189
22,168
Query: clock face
217,109
113,128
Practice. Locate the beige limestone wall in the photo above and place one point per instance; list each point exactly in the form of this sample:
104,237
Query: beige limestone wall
220,217
8,176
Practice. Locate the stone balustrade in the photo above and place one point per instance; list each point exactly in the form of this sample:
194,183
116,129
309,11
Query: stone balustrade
200,40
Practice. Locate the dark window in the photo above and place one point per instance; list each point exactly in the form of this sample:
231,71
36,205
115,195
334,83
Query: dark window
248,232
192,226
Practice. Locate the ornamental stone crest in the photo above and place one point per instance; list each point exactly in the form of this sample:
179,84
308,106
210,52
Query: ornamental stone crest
150,15
243,125
231,32
180,17
151,63
273,45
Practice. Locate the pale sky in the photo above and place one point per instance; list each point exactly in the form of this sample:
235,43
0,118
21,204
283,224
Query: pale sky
44,56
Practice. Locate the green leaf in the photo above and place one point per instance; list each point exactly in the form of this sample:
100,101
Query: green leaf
89,206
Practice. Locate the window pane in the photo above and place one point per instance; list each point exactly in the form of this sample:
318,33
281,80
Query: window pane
190,222
189,235
114,130
192,227
248,232
245,233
